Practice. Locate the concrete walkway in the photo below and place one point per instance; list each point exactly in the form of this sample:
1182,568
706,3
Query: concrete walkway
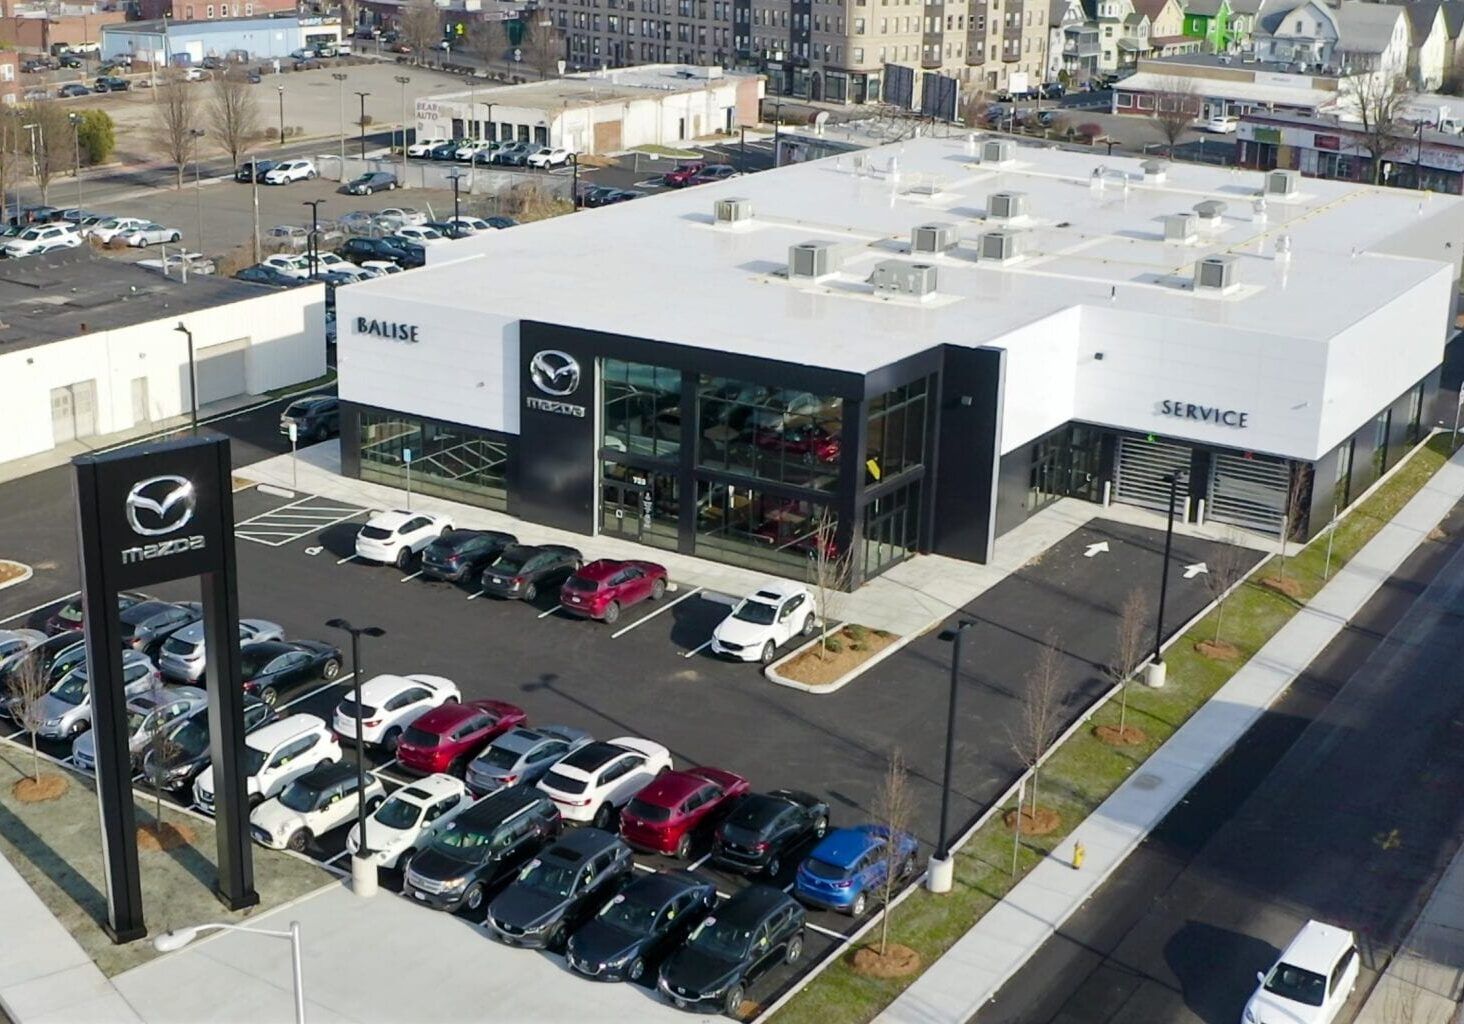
1424,983
974,969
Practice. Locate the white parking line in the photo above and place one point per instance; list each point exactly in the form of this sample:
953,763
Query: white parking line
694,653
411,577
843,939
336,857
551,611
312,693
343,561
474,597
43,604
295,520
698,863
658,611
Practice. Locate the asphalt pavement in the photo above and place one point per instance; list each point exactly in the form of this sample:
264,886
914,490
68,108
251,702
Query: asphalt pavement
1340,804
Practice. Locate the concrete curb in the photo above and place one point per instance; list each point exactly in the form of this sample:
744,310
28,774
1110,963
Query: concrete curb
26,573
771,672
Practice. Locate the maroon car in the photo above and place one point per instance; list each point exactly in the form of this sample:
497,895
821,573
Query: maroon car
667,815
811,443
446,738
682,174
605,587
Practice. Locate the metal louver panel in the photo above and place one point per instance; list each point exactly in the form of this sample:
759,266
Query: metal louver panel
1142,467
1249,493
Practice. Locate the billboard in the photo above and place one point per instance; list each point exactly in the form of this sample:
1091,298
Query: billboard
940,97
899,86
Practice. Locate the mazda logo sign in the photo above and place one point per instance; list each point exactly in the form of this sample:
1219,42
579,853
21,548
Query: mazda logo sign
161,504
555,372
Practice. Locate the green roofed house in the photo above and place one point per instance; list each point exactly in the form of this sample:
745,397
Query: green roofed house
1209,22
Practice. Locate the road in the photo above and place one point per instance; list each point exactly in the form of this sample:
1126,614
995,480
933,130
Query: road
1341,804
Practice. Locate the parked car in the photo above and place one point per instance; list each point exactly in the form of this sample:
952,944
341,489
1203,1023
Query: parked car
275,756
522,569
320,801
713,172
446,150
1052,90
423,147
69,615
513,154
602,589
1218,125
678,808
71,90
522,756
42,238
560,889
546,157
641,924
399,216
470,223
187,751
1311,980
105,230
419,233
446,738
148,714
484,156
372,181
111,83
287,171
849,865
245,172
740,941
416,255
290,235
152,233
392,538
499,223
369,250
272,668
183,655
381,268
765,620
78,217
410,819
459,555
680,176
18,641
480,848
65,710
315,418
262,274
42,656
765,830
147,624
603,195
291,264
471,148
391,703
449,229
594,782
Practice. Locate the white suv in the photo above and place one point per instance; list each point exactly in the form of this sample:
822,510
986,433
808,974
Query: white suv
42,238
408,821
392,538
322,799
1310,982
274,757
290,170
597,779
764,621
391,703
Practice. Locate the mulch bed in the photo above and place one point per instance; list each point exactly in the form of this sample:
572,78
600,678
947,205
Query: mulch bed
34,791
897,962
10,570
818,667
1039,823
165,835
1284,585
1128,736
1218,650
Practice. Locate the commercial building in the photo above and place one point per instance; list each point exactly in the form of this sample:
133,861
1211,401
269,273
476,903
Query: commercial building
1214,85
930,340
1328,147
9,77
42,27
599,112
89,346
165,42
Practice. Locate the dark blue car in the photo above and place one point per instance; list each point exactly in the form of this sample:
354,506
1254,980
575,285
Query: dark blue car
847,868
261,274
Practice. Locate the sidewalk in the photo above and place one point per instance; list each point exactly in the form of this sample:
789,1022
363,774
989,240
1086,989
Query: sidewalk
974,969
1424,983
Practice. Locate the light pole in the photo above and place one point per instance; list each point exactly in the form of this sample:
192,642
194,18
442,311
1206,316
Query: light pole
311,248
363,96
1154,674
340,78
574,185
197,134
192,377
35,147
777,123
177,938
456,178
942,866
75,120
364,850
402,81
281,88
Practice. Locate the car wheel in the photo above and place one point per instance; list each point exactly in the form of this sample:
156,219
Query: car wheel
683,848
405,861
908,869
658,590
77,728
611,615
774,865
636,969
142,243
603,817
403,557
269,695
331,670
821,827
390,740
808,624
558,939
368,191
298,840
474,899
794,950
857,907
767,653
530,593
176,237
309,175
732,1001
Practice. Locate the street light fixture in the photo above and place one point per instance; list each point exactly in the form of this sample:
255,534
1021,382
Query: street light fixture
1154,674
312,249
175,939
402,81
363,96
942,865
456,178
192,376
340,78
197,134
281,88
364,850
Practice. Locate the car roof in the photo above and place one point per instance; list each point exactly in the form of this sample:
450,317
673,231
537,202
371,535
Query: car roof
591,757
498,806
519,740
385,685
282,729
272,648
777,590
586,842
842,847
328,774
391,519
446,716
670,788
601,569
1317,947
749,906
658,887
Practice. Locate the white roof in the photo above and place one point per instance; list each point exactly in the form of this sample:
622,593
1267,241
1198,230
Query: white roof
436,787
279,731
392,519
1252,92
386,685
1317,947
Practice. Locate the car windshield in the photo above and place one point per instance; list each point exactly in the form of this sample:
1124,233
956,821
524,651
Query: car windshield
253,760
468,841
251,663
72,689
554,877
756,612
191,738
498,757
398,813
507,562
563,783
1295,984
299,408
629,915
136,720
299,797
647,811
177,645
420,737
720,938
375,533
580,583
823,869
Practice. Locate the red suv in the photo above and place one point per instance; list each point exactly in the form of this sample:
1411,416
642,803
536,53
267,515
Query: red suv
666,815
603,588
446,738
683,173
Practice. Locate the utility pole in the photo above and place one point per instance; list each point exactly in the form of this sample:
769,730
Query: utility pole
456,179
75,120
363,96
281,88
197,134
313,247
340,78
402,81
254,185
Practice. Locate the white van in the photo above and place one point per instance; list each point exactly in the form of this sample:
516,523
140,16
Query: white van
1310,982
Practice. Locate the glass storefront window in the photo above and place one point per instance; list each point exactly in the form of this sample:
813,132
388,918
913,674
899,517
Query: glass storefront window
640,505
891,528
747,527
896,441
449,462
642,412
783,435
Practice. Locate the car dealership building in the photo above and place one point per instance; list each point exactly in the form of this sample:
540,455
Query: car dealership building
930,341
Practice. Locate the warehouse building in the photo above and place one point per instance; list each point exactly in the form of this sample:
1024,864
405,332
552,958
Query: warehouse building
253,37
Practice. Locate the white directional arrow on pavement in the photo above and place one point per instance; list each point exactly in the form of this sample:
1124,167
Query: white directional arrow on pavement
1094,549
1191,571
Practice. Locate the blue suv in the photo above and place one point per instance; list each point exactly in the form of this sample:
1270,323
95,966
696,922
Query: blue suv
848,867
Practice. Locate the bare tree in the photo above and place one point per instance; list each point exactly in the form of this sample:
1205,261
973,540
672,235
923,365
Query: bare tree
543,46
1041,712
175,116
1175,109
832,569
233,113
1226,568
1298,496
28,688
1130,648
51,142
893,809
421,27
488,41
973,110
1379,103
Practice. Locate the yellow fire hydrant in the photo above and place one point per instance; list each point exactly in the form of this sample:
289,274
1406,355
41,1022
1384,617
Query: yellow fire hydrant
1078,853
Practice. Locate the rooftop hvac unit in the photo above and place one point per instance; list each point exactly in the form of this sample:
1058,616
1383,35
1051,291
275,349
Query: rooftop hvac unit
1155,170
1181,228
933,238
1282,182
895,277
810,260
999,246
1210,210
1006,205
998,151
1215,273
732,211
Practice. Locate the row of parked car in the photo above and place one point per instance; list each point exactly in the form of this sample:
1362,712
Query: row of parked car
490,151
43,229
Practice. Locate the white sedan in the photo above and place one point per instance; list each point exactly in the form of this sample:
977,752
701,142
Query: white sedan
1218,125
290,264
395,216
471,223
419,234
468,149
547,157
42,238
105,230
151,233
764,621
392,538
321,800
595,781
423,148
287,171
391,703
380,268
408,821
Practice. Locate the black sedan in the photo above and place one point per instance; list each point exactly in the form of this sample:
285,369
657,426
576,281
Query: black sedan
276,667
764,829
185,750
247,170
599,195
111,83
261,274
71,89
648,919
462,554
359,250
416,256
449,230
502,222
747,936
446,150
147,624
522,570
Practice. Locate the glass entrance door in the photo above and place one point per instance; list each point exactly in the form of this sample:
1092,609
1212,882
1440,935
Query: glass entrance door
639,505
